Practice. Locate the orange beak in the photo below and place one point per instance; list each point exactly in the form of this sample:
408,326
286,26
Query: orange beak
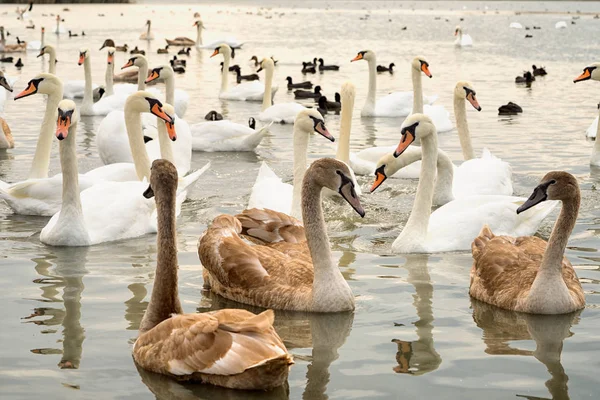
584,76
62,128
153,76
81,59
110,59
425,70
158,111
406,140
31,89
171,131
358,57
379,179
128,64
215,53
471,98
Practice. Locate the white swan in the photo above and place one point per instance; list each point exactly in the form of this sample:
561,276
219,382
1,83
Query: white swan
454,226
462,39
226,135
592,72
177,97
72,89
560,25
6,84
51,52
515,25
268,191
282,112
148,35
247,91
397,104
37,44
59,28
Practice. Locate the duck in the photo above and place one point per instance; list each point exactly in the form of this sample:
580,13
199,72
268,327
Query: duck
6,59
453,226
138,51
37,44
71,34
308,68
148,35
396,104
175,62
323,67
284,113
528,274
19,64
240,77
10,48
268,192
111,43
233,348
163,51
316,284
335,105
185,41
539,71
308,94
312,63
322,105
510,109
213,116
300,85
184,52
248,91
526,78
232,68
254,61
462,39
592,72
390,68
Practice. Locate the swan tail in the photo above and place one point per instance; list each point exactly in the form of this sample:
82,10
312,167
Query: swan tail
252,141
485,235
190,179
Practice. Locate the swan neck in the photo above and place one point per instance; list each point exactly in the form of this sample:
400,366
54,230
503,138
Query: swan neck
42,40
417,91
88,100
166,148
460,112
110,72
267,99
170,90
557,243
52,62
133,123
343,150
142,74
226,58
300,164
165,295
370,103
71,204
445,177
198,34
41,159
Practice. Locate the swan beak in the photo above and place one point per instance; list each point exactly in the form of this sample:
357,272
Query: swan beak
539,195
471,98
358,57
349,194
128,64
260,69
41,53
5,84
584,76
425,70
158,111
153,76
407,139
171,131
380,177
31,89
81,59
62,127
215,53
322,130
149,193
110,59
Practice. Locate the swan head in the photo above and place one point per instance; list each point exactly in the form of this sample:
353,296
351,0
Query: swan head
420,64
334,175
137,60
310,120
67,116
170,111
222,49
198,23
415,125
386,166
4,82
457,30
148,22
108,43
464,90
43,83
84,53
267,64
110,55
368,55
555,185
47,49
590,72
145,102
163,72
163,180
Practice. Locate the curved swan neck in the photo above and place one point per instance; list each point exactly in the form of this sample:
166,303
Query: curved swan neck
88,100
52,61
148,31
133,123
300,163
170,90
166,148
226,59
343,150
199,34
557,243
460,112
417,91
370,103
110,72
142,74
165,295
41,159
42,39
267,99
445,177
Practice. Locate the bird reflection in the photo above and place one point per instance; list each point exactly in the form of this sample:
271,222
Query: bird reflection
68,272
419,357
548,331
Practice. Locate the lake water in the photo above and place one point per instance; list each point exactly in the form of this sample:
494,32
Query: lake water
69,316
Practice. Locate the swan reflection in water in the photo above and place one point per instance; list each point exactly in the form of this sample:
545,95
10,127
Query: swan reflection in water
419,357
501,328
62,268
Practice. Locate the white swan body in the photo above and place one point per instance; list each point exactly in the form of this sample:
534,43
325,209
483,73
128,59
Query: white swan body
226,135
59,28
231,42
515,25
397,104
462,39
282,112
248,91
4,82
269,192
148,35
560,25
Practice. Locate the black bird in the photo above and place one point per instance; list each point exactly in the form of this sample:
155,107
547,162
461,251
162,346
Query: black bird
312,63
19,63
307,94
184,52
323,67
526,78
300,85
308,68
510,109
137,51
528,36
6,59
180,69
213,116
322,105
82,33
231,68
176,62
251,123
72,34
335,105
390,69
163,51
539,71
240,77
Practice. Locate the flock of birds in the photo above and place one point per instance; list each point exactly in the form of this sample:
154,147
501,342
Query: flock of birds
275,254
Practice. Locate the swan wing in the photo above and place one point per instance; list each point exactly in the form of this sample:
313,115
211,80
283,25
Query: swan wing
281,112
440,117
487,175
225,136
270,192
